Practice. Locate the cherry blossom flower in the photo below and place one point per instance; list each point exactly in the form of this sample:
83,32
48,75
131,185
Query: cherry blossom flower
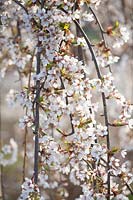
130,123
10,151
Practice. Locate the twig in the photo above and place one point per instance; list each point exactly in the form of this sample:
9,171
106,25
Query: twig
2,183
1,167
99,24
26,128
78,33
36,97
21,5
25,150
26,11
42,3
101,30
128,186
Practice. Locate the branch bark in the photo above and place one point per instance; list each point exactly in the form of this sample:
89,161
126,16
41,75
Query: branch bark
38,58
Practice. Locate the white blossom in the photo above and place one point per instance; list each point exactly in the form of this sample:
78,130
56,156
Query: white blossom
11,151
130,123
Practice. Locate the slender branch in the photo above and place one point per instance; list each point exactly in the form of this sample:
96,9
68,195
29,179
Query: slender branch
101,30
78,33
37,95
129,188
25,154
42,3
21,5
99,24
113,167
108,141
26,128
2,183
38,58
123,4
103,100
26,11
2,195
90,48
1,167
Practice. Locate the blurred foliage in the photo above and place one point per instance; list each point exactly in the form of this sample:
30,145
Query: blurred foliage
130,197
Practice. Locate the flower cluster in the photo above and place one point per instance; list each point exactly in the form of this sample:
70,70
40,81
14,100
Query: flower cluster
30,191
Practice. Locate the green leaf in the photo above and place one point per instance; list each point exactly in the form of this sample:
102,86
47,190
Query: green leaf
29,3
130,196
116,25
41,99
114,150
64,26
49,66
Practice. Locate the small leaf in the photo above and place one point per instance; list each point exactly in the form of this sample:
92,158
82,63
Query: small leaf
130,196
41,99
114,149
64,26
29,3
49,66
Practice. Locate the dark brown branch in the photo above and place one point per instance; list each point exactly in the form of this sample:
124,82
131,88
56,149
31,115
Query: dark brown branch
26,11
90,48
78,33
101,30
42,3
36,97
128,186
103,100
23,7
25,152
38,58
2,183
1,167
99,24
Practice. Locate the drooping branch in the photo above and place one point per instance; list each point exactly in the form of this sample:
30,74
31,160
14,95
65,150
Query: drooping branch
99,24
78,33
21,5
90,48
103,100
102,32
